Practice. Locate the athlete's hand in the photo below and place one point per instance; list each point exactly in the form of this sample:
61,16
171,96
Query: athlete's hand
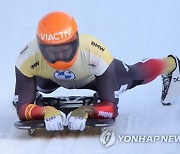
54,119
76,120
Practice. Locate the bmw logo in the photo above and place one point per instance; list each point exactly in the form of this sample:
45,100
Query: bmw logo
64,75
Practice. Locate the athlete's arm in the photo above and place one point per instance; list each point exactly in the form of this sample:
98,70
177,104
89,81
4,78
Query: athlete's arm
106,87
25,92
104,71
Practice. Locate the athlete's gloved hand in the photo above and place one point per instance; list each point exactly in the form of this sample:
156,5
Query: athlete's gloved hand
54,119
76,120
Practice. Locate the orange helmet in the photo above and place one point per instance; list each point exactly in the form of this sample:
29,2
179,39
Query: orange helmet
58,40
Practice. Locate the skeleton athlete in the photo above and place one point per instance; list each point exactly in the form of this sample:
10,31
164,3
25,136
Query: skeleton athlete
61,57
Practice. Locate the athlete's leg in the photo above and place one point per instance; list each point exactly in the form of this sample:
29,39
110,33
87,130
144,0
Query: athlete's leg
120,77
143,72
149,69
126,77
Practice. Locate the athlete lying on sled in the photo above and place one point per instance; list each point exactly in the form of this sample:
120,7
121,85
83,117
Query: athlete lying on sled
60,57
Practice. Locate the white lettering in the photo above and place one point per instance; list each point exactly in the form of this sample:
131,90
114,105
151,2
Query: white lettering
149,138
135,138
105,114
120,138
171,138
61,34
43,36
177,139
127,138
142,138
164,139
50,37
156,138
56,36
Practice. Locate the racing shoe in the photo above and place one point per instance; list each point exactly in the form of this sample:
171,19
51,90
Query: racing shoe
171,84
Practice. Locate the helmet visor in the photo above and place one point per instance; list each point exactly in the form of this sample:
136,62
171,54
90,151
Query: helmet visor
63,52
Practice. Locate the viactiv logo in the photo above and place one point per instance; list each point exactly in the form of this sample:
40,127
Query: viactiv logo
58,36
107,138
